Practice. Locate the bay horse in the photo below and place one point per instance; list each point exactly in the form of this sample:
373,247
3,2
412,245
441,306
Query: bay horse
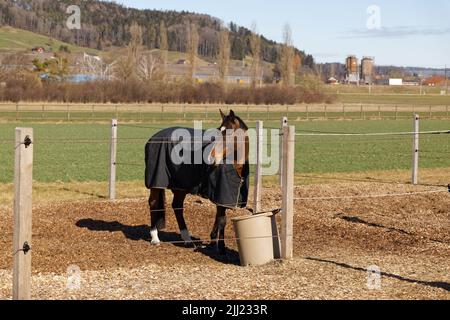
232,148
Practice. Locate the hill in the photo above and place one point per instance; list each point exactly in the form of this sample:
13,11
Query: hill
106,25
13,39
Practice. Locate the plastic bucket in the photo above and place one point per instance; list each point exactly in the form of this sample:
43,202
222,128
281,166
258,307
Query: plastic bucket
255,239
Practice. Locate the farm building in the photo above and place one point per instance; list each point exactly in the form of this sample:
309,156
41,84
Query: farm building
395,82
38,50
434,81
332,80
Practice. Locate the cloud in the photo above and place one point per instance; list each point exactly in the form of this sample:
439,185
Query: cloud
396,32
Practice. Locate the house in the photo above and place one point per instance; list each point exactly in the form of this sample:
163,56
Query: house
332,80
395,82
434,81
38,50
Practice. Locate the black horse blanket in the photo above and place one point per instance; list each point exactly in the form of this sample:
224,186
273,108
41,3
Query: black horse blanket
221,184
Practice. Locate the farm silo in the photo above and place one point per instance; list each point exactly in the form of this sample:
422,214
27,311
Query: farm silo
367,70
351,64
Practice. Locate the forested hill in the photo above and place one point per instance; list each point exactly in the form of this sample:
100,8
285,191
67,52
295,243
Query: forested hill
107,24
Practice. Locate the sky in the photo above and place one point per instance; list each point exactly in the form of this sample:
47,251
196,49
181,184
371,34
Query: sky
401,32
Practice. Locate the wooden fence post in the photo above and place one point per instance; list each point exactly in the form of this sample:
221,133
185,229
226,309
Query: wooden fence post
415,172
288,193
112,160
284,123
23,179
258,170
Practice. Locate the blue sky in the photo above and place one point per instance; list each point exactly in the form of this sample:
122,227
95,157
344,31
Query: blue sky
410,32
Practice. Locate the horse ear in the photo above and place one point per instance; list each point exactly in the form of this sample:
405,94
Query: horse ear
232,114
222,114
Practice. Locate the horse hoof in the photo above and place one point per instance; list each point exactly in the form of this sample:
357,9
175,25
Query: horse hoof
211,247
156,243
191,245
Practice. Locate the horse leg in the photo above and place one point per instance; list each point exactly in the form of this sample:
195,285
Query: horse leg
221,219
156,202
215,231
177,205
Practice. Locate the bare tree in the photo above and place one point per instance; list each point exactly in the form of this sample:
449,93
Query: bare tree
163,46
287,57
192,48
147,66
224,53
255,46
124,68
96,65
136,41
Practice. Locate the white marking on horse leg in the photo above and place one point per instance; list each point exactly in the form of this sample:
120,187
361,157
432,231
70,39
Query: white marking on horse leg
186,236
154,234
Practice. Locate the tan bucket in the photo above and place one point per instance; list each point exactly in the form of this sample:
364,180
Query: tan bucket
255,239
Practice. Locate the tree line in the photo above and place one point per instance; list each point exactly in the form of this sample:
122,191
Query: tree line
107,24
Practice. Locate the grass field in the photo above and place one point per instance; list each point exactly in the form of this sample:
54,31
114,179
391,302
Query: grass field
79,152
401,99
166,113
12,39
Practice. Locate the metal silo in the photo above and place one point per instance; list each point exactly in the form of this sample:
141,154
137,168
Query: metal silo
367,69
351,64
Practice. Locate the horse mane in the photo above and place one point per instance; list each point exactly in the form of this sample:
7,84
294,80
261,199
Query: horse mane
241,123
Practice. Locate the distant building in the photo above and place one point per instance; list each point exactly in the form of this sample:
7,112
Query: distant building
38,50
352,70
332,80
434,81
395,82
367,70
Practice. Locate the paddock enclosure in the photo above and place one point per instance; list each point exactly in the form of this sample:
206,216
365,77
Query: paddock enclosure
354,208
334,243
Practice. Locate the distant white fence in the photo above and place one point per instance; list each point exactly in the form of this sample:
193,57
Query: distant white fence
181,112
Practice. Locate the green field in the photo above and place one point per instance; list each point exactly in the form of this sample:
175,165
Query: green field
79,152
12,39
400,99
176,112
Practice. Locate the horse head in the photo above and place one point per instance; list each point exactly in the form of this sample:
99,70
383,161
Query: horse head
234,147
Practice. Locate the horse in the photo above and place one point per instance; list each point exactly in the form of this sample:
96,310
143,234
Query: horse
226,170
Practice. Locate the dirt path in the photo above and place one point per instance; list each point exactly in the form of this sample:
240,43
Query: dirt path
335,241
